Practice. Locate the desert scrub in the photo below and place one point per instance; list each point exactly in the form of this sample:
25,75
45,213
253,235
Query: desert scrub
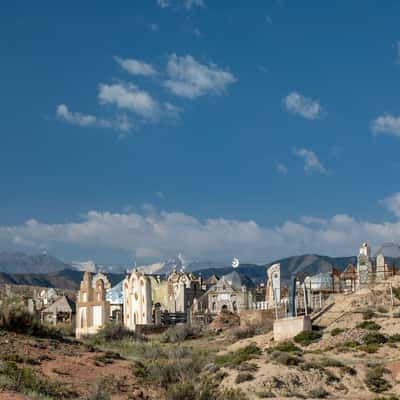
369,325
243,377
265,394
286,347
375,381
337,331
374,338
179,333
285,358
247,367
237,357
307,337
25,380
181,391
394,338
368,314
113,331
318,393
248,331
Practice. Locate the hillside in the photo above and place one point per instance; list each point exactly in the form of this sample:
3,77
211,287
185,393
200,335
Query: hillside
17,262
310,263
65,279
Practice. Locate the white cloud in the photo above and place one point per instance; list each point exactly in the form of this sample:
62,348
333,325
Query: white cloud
386,124
189,4
189,78
135,67
311,161
130,97
163,3
120,123
296,103
282,169
393,204
162,234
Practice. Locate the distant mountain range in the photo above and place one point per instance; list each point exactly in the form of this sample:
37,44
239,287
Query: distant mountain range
47,271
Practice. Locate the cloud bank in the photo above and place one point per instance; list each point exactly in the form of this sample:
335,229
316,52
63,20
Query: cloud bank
161,234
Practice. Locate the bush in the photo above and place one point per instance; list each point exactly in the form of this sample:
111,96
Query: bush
368,314
179,333
243,377
318,393
233,359
394,338
25,380
248,331
113,331
369,348
382,310
265,394
375,381
286,347
247,367
99,391
16,318
305,338
374,338
337,331
286,359
369,325
181,391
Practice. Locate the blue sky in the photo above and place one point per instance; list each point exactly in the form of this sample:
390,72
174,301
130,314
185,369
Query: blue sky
135,130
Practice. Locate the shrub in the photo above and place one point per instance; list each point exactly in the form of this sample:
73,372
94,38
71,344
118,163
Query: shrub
248,331
382,310
369,348
26,380
350,344
330,362
318,393
243,377
337,331
286,347
247,367
265,394
99,391
179,333
369,325
394,338
368,314
375,381
305,338
233,359
286,359
374,338
181,391
396,292
114,331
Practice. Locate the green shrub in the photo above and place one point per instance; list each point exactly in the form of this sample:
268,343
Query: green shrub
181,391
179,333
337,331
369,325
99,391
286,347
305,338
286,358
113,331
350,344
25,380
369,348
394,338
243,377
375,381
374,338
233,359
396,292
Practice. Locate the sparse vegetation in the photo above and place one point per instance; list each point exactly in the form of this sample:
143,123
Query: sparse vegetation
179,333
337,331
286,358
375,381
307,337
25,380
369,325
286,347
233,359
368,314
243,377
